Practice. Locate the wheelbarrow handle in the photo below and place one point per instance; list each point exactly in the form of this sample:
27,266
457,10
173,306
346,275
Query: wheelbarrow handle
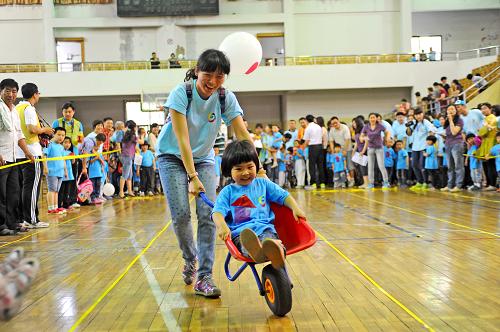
205,199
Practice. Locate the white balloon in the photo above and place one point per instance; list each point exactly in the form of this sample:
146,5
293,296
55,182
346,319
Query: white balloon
108,190
244,52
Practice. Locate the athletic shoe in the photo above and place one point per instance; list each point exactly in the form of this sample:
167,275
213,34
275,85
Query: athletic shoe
425,186
386,186
75,205
205,286
322,186
150,193
188,272
418,186
274,252
63,210
473,188
250,241
363,186
41,224
27,225
141,193
370,186
445,189
350,183
455,190
490,188
55,211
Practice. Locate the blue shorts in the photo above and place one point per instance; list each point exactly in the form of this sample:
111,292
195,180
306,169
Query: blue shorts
54,183
268,234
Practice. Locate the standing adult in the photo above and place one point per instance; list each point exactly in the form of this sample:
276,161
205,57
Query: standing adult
292,130
372,133
108,133
302,129
31,173
419,130
360,147
11,135
186,159
488,134
340,134
129,144
73,127
153,136
399,128
313,137
473,119
454,143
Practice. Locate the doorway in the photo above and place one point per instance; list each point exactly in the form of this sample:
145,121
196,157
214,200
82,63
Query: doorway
273,48
70,54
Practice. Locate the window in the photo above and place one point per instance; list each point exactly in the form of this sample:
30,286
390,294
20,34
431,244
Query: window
426,43
144,119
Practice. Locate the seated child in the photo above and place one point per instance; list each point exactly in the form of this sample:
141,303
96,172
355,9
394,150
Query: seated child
242,209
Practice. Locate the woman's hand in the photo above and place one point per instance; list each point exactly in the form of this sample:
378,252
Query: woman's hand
196,187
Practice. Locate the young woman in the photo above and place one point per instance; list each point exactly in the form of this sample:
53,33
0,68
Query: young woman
371,134
127,158
454,144
186,159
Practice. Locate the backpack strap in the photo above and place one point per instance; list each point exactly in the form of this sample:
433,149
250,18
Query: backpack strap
189,92
222,99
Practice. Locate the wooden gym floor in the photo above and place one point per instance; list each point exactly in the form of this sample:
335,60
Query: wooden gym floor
384,261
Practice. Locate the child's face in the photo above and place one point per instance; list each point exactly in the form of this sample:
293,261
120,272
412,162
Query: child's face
429,142
399,145
244,173
275,129
216,150
98,144
144,148
389,143
67,144
470,140
337,149
59,136
498,139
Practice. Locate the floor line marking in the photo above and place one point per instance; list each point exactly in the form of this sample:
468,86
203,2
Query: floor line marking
374,283
426,216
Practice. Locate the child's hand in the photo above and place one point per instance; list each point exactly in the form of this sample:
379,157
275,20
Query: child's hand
223,232
298,213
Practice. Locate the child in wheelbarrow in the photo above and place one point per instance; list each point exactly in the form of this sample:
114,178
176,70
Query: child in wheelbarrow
242,210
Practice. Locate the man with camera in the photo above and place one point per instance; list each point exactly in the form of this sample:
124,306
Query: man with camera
31,173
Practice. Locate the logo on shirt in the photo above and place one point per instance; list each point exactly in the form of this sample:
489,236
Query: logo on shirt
262,200
211,117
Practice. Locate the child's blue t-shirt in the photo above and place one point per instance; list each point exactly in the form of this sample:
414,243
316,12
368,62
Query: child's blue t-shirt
69,167
495,152
300,154
56,167
474,163
445,159
338,162
281,162
249,206
277,140
431,161
95,169
218,163
389,157
329,160
402,156
147,158
203,118
117,136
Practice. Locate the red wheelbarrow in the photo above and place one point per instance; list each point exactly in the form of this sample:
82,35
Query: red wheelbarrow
275,285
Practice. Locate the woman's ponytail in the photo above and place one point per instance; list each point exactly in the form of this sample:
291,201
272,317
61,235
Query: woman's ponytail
190,74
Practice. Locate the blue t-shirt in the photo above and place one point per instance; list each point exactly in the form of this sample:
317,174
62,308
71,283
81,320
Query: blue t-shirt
56,123
431,161
95,168
495,152
70,176
294,134
420,134
472,122
147,158
281,161
389,157
401,163
445,159
277,140
218,162
204,119
300,154
338,162
56,167
329,160
249,206
474,163
399,130
117,136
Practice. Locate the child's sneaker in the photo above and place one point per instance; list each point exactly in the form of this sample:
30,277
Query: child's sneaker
445,189
188,272
150,193
425,186
417,186
455,190
63,210
141,193
205,286
250,241
11,262
473,188
41,224
386,186
370,186
274,252
75,205
322,186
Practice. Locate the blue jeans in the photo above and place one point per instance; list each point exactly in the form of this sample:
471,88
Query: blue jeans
173,178
456,170
417,163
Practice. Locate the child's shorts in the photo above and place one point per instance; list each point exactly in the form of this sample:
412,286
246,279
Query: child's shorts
267,234
54,183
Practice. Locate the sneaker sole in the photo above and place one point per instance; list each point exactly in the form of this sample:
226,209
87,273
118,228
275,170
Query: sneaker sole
274,253
252,244
212,296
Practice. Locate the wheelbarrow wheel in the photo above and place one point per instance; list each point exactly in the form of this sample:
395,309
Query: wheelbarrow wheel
278,291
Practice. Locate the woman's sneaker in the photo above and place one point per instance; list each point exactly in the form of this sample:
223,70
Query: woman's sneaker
75,205
445,189
189,272
205,286
455,190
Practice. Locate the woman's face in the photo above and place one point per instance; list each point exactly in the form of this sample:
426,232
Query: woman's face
451,111
268,130
373,119
485,110
353,123
208,83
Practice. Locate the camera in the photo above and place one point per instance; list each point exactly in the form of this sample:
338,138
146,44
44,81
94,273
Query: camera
409,124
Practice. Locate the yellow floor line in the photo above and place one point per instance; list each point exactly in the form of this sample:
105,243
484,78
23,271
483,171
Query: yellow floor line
426,216
374,283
